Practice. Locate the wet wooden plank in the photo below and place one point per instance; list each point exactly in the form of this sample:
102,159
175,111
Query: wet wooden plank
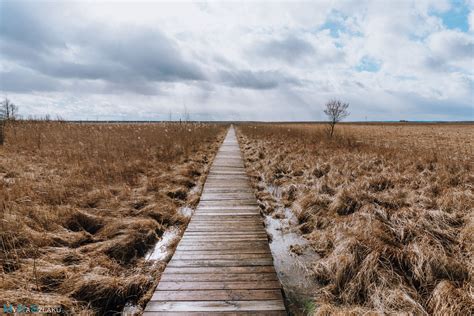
228,208
226,238
248,237
243,225
176,286
216,306
234,234
227,217
230,244
220,262
240,214
190,239
230,223
231,189
187,256
227,196
223,218
220,270
223,204
239,247
226,251
219,277
230,233
217,295
225,227
217,228
239,207
229,212
241,313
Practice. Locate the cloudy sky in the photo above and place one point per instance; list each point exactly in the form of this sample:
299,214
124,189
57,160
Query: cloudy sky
249,60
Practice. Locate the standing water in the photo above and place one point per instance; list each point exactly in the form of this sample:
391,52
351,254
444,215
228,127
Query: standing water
292,258
162,251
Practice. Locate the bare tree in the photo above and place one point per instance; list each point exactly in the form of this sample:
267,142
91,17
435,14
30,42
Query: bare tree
8,112
336,111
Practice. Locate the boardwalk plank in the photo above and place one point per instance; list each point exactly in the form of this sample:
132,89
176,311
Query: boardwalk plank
220,262
176,286
216,306
246,313
221,270
236,256
217,295
219,277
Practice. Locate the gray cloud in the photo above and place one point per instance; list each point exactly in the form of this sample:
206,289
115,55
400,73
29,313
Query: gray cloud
72,58
116,56
25,80
23,24
288,49
259,80
150,54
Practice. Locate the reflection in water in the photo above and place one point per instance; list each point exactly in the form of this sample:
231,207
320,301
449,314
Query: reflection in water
161,250
131,309
291,256
186,211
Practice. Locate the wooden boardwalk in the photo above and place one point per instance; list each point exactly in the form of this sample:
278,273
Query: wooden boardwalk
223,263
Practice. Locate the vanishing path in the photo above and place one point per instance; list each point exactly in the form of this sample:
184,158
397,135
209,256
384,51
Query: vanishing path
223,263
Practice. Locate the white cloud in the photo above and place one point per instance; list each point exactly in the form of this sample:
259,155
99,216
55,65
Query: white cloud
248,60
471,21
451,47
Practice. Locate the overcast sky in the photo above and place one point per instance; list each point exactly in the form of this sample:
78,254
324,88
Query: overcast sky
390,60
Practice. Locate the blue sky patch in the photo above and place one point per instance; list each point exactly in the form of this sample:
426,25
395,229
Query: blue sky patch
368,64
457,16
335,23
334,27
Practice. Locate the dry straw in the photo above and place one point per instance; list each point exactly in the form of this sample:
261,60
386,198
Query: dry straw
81,204
388,207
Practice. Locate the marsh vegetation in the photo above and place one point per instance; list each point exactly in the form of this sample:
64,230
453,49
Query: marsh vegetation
387,207
81,205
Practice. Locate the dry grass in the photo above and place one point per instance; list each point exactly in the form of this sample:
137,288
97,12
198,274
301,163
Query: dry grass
81,204
389,208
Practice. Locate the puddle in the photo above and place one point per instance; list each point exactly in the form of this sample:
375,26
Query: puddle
186,211
291,257
195,190
131,309
289,260
274,190
161,250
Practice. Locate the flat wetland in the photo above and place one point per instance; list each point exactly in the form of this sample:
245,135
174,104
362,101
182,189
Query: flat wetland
377,219
82,206
388,209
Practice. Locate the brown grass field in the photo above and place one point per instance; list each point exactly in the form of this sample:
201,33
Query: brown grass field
81,204
388,208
